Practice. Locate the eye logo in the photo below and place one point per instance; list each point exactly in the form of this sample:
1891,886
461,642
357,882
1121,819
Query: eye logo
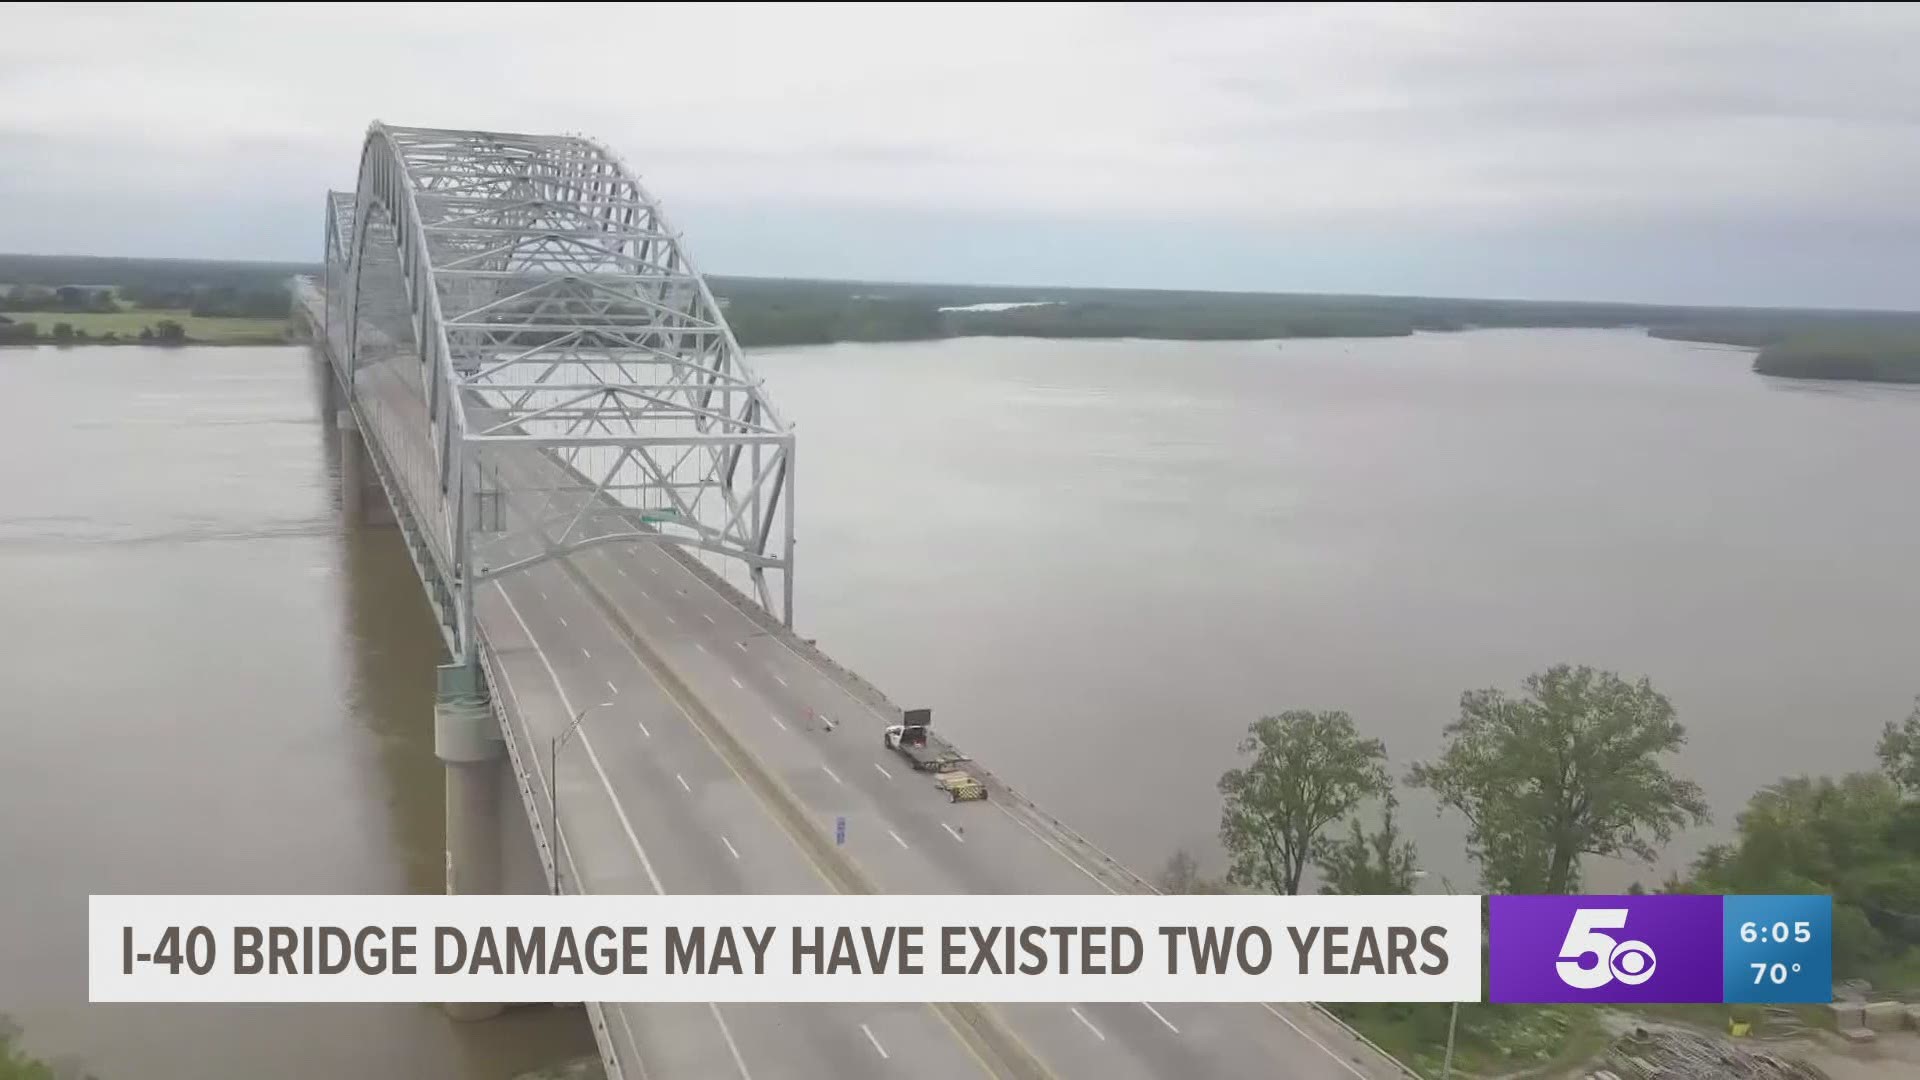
1630,962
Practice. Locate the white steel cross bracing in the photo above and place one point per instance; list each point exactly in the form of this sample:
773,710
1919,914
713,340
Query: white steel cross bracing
578,380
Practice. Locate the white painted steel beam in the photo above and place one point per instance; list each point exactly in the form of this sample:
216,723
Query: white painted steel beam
534,297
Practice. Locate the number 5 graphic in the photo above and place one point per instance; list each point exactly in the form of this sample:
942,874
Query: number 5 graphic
1585,939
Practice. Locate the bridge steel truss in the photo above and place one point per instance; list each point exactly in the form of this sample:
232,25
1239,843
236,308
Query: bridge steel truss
529,294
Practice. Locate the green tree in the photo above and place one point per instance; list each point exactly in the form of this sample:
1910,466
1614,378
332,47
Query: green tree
14,1062
1571,768
1182,875
1899,750
1363,864
168,332
63,332
1819,835
1309,770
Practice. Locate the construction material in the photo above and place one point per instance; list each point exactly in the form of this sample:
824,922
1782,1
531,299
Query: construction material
961,787
1672,1054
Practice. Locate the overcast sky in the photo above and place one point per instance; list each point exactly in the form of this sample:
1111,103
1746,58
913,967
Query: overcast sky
1762,155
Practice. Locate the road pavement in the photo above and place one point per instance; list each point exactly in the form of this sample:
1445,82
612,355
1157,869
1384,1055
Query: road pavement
687,696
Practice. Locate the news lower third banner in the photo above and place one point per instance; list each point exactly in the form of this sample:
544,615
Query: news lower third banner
814,948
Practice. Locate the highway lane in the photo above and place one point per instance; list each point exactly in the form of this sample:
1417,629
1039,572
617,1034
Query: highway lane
823,742
690,827
906,834
818,738
675,820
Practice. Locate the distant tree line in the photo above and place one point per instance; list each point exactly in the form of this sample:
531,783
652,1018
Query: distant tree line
61,298
162,332
773,311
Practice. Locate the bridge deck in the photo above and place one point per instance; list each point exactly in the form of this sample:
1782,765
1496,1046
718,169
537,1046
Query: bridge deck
728,751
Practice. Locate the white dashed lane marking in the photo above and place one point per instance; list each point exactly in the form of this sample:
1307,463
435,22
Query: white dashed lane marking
1162,1019
963,840
883,770
1089,1023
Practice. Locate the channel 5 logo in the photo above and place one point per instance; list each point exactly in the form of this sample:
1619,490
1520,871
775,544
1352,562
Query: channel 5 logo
1604,948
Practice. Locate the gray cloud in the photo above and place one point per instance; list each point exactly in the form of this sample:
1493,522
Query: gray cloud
1688,152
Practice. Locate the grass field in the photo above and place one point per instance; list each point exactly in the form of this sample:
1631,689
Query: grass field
127,324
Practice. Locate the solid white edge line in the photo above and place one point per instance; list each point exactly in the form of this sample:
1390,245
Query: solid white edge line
586,742
1298,1030
1078,1016
1055,848
1050,845
732,1048
881,1050
1164,1020
633,1044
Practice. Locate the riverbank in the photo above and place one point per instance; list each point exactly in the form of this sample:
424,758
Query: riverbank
139,326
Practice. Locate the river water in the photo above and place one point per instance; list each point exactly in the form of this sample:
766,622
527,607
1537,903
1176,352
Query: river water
1097,561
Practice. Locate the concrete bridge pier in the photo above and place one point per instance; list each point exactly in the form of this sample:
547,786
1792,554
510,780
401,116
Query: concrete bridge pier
466,738
362,500
353,468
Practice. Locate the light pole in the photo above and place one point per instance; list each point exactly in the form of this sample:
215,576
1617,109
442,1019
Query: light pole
553,784
1453,1015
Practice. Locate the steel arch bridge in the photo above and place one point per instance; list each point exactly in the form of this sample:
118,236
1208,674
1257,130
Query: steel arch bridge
526,293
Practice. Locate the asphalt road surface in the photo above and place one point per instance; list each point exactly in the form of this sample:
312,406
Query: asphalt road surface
655,798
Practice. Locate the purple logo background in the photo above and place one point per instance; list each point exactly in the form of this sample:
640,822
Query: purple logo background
1525,935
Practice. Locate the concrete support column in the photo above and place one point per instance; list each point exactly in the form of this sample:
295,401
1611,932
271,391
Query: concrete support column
353,468
362,500
466,738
